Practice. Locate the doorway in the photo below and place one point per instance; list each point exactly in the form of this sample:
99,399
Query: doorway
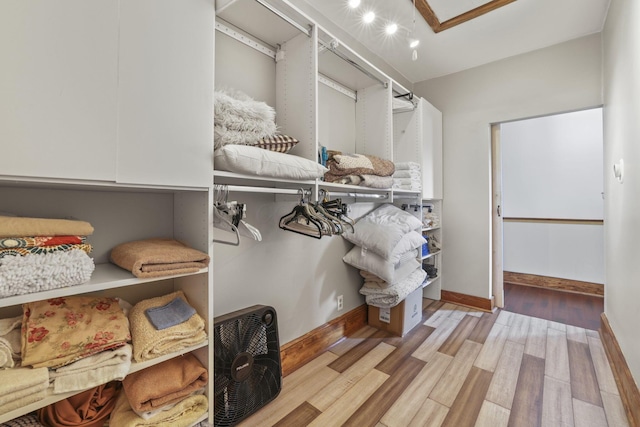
547,201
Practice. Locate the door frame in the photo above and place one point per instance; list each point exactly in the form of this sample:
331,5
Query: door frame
497,283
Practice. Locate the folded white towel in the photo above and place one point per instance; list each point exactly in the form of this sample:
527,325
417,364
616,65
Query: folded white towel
407,173
92,371
407,166
10,345
22,386
387,297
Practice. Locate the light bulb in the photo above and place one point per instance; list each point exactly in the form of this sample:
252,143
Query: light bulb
368,17
414,55
414,43
391,28
354,3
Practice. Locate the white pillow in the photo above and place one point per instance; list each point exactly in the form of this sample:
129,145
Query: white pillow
388,241
388,214
257,161
386,270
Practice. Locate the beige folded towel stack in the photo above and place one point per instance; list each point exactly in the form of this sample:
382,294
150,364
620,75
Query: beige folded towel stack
184,413
158,257
21,386
149,343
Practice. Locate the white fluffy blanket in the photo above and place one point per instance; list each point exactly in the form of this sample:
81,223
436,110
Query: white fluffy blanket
379,295
21,275
239,119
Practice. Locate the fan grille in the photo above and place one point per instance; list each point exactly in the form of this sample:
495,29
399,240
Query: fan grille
247,370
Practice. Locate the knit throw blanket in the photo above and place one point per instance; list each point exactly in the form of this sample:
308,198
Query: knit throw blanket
59,331
158,258
358,164
21,275
149,342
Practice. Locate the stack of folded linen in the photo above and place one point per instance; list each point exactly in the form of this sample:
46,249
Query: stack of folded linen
167,394
38,254
60,331
385,252
407,176
359,169
163,325
22,386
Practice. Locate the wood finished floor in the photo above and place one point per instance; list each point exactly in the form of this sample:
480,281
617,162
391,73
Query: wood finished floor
458,368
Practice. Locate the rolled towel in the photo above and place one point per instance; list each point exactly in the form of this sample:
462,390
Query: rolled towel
149,390
21,275
109,365
149,342
87,409
22,226
158,257
9,341
185,413
59,331
22,386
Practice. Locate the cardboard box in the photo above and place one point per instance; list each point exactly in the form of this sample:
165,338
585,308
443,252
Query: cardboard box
400,319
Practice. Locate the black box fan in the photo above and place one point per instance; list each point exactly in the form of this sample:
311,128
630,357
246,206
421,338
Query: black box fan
247,369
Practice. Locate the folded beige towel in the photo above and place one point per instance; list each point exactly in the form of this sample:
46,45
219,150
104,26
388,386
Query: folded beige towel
149,343
149,389
185,413
13,226
10,341
22,386
108,365
158,257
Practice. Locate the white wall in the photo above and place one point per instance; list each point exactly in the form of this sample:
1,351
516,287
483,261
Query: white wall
621,42
552,168
559,78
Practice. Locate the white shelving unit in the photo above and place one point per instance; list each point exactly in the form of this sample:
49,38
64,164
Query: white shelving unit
433,285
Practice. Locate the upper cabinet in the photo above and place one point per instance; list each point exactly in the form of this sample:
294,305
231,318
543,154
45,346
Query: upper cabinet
107,91
58,88
165,92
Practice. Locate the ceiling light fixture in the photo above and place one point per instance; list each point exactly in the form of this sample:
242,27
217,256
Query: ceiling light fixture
353,4
391,28
368,17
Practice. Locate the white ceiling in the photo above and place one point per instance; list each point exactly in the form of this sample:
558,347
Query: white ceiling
518,27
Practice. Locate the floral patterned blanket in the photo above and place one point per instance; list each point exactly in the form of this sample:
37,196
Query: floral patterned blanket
59,331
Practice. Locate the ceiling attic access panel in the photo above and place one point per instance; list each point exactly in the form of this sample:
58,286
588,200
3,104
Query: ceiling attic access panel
266,49
354,101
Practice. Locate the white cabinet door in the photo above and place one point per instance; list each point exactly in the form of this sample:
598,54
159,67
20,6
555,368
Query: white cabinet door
165,92
58,80
431,152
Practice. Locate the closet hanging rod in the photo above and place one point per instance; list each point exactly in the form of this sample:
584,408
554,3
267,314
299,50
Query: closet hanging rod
302,29
249,189
332,47
359,195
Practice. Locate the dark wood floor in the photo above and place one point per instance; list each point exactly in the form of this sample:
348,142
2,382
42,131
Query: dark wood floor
564,307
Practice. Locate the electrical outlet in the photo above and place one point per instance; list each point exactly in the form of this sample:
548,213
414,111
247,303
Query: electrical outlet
340,302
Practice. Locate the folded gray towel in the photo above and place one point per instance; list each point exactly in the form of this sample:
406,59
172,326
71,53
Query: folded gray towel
175,312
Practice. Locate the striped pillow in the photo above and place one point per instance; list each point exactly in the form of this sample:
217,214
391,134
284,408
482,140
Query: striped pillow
280,143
